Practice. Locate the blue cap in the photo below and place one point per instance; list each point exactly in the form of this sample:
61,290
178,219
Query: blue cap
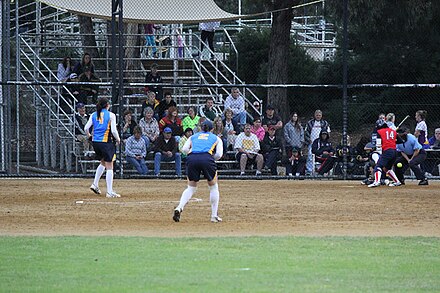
207,123
167,130
79,105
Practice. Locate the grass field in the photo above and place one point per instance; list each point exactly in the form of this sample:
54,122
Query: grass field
231,264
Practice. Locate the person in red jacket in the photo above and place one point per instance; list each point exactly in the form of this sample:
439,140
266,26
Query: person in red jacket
386,142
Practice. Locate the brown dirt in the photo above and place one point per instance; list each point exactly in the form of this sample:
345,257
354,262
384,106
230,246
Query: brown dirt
252,207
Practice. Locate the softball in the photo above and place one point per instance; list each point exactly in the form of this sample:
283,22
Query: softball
399,165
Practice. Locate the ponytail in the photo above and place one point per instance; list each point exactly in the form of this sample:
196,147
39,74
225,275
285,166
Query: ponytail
102,103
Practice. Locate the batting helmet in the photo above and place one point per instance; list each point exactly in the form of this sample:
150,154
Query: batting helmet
380,123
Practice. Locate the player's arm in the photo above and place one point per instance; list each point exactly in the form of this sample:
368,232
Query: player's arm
187,146
218,149
113,128
88,125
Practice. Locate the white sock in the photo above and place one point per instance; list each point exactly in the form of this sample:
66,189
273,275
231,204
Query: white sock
109,180
98,173
377,176
186,196
392,175
214,196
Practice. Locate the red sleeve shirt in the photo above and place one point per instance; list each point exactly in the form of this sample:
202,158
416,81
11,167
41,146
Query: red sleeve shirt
388,137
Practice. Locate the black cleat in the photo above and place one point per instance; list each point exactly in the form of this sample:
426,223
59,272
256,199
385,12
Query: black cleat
423,182
176,215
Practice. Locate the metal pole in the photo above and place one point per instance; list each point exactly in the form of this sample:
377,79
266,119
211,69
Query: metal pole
6,92
121,77
2,113
17,87
344,88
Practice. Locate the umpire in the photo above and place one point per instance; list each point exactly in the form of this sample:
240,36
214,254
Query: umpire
410,154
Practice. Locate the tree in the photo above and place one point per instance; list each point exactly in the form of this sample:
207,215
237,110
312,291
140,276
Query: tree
279,56
88,35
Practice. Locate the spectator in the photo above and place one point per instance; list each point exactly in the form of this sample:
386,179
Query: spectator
255,111
64,69
88,90
151,102
432,165
149,127
257,129
324,153
186,134
207,30
154,77
198,127
231,128
81,119
136,151
165,104
270,119
247,147
128,124
236,102
207,110
295,163
294,133
410,155
172,121
421,131
165,150
180,44
272,147
150,39
220,131
312,131
191,120
86,62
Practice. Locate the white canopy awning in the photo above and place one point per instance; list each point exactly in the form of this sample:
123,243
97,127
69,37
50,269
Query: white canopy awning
147,11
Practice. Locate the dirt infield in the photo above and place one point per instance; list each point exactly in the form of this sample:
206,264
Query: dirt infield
251,207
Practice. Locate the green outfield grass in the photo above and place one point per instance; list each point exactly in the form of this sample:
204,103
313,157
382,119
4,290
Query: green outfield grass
239,264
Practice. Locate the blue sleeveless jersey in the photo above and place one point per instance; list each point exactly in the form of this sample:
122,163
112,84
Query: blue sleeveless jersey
203,142
101,126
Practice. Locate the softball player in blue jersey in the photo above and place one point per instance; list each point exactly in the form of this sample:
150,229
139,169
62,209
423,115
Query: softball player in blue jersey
203,149
104,126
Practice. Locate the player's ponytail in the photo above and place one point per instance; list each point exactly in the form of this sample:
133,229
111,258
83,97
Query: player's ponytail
102,104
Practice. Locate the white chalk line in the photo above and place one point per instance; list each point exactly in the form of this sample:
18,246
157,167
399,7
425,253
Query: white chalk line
130,203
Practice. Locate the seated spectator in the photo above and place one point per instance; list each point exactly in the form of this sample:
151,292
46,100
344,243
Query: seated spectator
165,104
272,148
187,134
86,61
154,77
270,119
149,127
295,163
294,133
64,69
172,121
88,90
255,111
236,103
207,110
136,151
73,88
220,131
231,128
127,124
247,147
153,103
165,150
257,129
81,119
324,153
434,158
312,131
191,120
